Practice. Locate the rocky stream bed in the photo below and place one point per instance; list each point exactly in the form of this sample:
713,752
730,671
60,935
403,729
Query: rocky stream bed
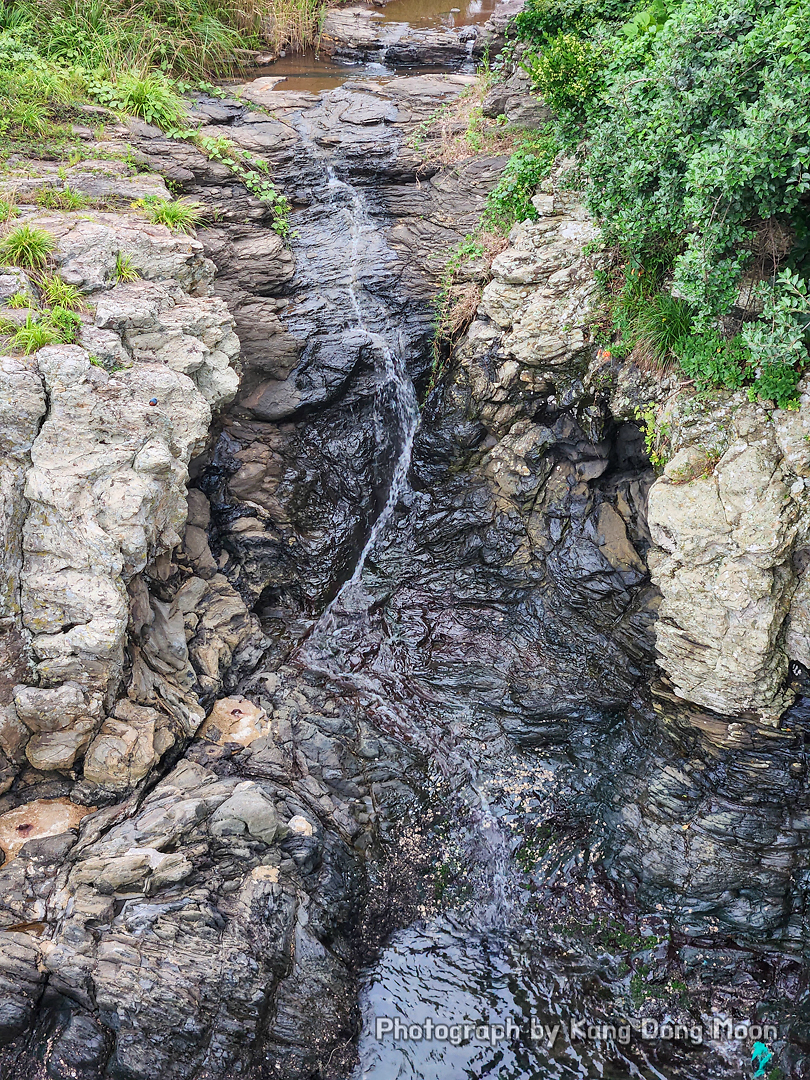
328,696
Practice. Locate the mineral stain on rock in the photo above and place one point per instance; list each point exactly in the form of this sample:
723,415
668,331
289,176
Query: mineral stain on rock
38,819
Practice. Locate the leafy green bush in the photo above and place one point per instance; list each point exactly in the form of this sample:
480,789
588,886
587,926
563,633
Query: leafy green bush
648,21
569,73
712,360
776,382
26,246
705,128
545,18
511,198
693,125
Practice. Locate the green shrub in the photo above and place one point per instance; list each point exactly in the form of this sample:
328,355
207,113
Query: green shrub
648,21
179,216
27,247
540,19
712,360
35,334
568,71
776,382
59,293
511,198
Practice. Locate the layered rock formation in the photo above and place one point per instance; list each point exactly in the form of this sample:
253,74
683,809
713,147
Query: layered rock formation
531,585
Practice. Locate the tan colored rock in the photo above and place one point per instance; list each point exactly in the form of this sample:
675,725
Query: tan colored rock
59,750
300,826
124,750
613,541
13,734
37,819
235,720
724,565
54,709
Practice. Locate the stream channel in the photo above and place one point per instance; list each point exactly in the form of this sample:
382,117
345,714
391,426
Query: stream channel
475,963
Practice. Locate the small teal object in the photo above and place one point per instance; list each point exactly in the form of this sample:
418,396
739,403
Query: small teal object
153,401
760,1056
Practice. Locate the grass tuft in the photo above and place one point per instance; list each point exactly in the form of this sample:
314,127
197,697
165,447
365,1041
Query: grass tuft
63,199
35,334
124,270
19,300
27,247
178,216
59,293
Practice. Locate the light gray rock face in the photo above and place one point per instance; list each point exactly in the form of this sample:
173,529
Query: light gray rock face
22,407
105,493
541,289
729,517
89,244
97,439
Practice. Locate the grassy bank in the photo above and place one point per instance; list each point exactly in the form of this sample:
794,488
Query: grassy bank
134,58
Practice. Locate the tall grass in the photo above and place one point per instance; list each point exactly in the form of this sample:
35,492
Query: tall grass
192,38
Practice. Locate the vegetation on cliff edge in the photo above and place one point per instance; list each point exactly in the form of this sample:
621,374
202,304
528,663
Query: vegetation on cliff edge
692,127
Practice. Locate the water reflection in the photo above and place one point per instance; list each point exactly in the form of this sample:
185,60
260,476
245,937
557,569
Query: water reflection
424,13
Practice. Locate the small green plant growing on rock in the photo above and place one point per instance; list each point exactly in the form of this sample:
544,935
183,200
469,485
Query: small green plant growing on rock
7,209
19,300
511,198
27,247
124,270
64,199
65,322
656,434
178,216
659,325
150,96
251,170
59,293
34,334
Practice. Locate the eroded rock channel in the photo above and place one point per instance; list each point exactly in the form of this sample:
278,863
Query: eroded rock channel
301,653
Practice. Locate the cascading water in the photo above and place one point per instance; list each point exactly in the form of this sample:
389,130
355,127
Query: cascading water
394,381
344,624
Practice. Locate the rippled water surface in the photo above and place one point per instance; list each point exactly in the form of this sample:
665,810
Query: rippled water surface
452,975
